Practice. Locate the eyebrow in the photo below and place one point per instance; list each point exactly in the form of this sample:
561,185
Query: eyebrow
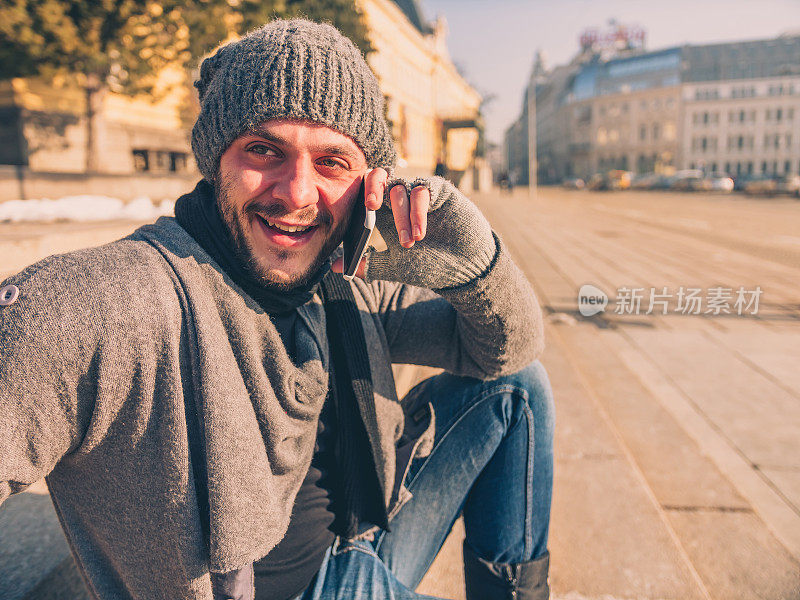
334,149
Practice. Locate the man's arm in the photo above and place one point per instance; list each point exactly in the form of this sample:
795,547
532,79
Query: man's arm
489,327
42,340
465,305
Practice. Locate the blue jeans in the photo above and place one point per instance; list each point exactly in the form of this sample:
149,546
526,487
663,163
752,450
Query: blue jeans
492,459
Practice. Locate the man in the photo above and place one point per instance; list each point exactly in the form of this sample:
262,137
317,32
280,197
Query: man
214,408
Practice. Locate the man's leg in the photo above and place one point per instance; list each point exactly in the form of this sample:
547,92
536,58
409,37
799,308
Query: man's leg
493,459
352,570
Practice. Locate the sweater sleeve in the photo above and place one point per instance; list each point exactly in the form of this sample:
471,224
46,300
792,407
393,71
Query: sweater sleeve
44,405
488,327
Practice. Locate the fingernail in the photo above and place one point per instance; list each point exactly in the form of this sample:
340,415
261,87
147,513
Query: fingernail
417,232
371,198
404,236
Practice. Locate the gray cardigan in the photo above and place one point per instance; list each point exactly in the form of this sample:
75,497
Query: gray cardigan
103,347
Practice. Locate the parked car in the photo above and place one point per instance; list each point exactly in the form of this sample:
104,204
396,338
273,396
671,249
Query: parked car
576,183
596,182
762,185
691,184
647,181
619,180
612,180
720,182
739,181
686,181
788,184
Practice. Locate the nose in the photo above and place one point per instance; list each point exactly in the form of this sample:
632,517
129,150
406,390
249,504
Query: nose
296,187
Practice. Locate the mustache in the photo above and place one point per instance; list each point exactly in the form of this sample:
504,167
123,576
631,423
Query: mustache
307,216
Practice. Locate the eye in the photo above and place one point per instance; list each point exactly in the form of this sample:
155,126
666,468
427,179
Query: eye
332,163
261,149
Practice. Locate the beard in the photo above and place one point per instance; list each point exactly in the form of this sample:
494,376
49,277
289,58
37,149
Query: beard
238,222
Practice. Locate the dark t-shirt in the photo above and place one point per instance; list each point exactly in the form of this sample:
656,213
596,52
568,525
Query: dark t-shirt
291,565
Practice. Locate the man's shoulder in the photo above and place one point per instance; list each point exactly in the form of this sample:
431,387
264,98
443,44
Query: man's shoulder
87,283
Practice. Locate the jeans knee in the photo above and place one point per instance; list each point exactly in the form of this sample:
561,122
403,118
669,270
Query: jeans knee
534,380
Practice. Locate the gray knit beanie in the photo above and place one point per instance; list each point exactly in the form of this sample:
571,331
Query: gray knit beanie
289,69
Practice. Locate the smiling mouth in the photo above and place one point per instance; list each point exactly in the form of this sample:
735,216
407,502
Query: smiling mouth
290,230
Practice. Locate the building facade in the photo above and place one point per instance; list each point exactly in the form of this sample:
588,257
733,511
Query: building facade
743,127
434,112
45,128
729,108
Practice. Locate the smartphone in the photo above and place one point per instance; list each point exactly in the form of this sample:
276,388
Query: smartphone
356,238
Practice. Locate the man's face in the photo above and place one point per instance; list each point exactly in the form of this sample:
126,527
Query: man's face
285,175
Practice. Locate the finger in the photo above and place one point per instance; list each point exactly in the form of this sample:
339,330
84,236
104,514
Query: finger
337,266
374,188
402,219
361,271
420,201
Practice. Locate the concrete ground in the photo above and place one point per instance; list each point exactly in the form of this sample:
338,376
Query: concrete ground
677,438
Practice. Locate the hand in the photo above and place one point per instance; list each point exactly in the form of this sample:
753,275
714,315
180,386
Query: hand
410,215
449,246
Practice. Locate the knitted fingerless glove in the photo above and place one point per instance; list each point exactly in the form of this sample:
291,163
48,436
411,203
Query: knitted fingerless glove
458,246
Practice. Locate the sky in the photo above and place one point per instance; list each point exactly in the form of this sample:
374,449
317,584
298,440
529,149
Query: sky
494,41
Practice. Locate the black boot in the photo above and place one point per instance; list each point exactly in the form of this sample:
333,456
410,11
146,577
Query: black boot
506,581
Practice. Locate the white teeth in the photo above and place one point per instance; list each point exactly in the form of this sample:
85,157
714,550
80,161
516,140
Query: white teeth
289,228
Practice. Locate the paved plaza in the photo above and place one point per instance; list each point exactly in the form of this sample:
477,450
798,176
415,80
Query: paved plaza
678,431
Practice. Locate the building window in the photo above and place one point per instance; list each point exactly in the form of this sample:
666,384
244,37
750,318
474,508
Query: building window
643,132
740,142
655,131
177,162
727,167
141,160
764,167
787,167
779,114
750,167
768,115
741,116
162,160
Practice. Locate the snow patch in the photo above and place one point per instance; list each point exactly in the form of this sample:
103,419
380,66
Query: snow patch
83,209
